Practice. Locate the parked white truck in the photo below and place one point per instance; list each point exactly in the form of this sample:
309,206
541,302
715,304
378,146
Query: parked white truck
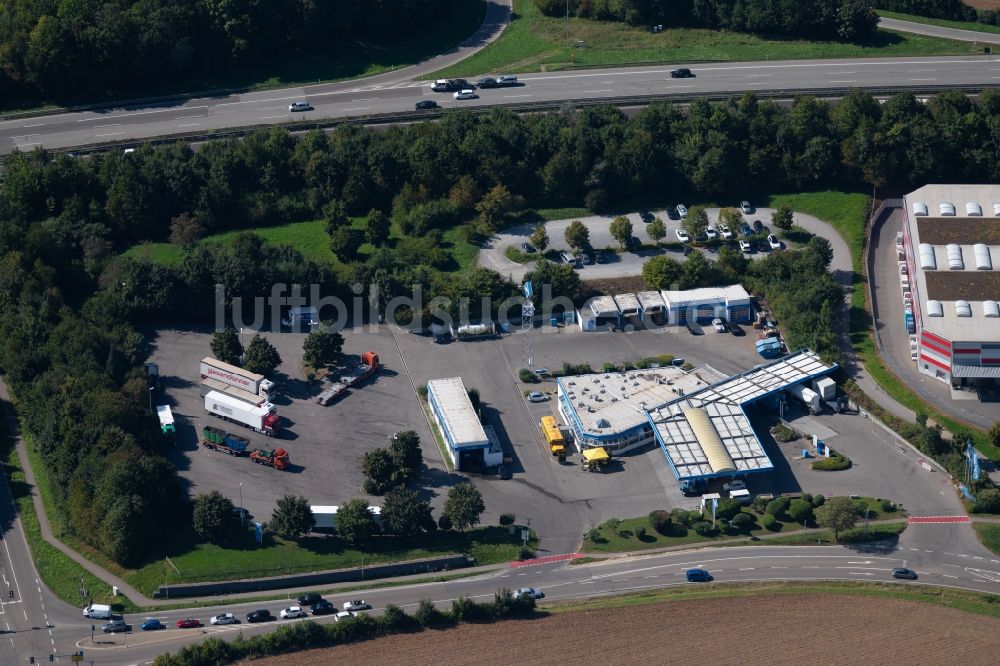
264,419
237,377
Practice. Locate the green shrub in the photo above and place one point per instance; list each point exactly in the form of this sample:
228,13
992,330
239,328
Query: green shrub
609,367
806,497
987,501
640,533
818,501
444,522
464,609
703,528
834,463
393,619
525,553
742,522
800,511
507,519
613,524
886,506
594,536
783,433
759,504
728,508
527,376
770,523
427,615
860,506
777,507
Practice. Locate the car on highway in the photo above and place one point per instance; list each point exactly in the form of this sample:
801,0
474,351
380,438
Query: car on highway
719,325
527,247
725,232
681,73
309,598
745,247
468,93
682,211
746,208
224,618
152,624
299,106
537,396
322,607
773,242
116,627
532,592
261,615
682,235
344,615
698,576
188,623
447,85
488,82
292,612
425,105
507,80
357,605
903,572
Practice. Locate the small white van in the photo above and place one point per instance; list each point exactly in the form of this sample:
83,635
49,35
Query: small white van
98,612
305,316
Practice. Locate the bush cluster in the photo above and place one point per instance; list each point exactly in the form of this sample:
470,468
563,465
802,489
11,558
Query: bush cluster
834,463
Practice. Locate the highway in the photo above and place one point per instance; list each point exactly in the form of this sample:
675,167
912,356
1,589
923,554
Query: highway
367,97
974,570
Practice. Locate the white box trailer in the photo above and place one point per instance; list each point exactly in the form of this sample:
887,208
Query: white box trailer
264,419
826,388
326,516
209,385
238,377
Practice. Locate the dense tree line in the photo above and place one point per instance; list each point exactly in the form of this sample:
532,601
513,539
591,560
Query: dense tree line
954,10
847,20
69,302
65,48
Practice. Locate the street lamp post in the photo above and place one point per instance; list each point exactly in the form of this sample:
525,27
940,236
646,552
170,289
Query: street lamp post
243,511
150,394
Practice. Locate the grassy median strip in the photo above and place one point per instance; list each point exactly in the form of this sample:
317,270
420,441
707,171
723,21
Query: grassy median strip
965,600
533,42
989,534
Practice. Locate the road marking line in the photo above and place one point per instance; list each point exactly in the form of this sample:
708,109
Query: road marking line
860,573
358,108
109,134
272,117
923,79
779,567
189,125
951,565
137,113
103,126
947,576
367,99
513,96
760,74
596,91
976,557
35,125
845,81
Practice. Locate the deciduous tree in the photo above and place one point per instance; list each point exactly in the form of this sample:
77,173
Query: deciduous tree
540,237
226,346
836,514
355,523
656,230
464,506
577,235
213,518
261,356
321,348
621,230
404,513
292,517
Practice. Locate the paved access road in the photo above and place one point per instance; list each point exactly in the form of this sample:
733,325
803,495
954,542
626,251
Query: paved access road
562,581
390,94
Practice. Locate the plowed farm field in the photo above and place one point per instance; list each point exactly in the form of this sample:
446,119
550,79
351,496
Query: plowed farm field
786,629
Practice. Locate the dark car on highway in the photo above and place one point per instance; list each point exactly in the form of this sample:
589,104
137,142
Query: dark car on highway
903,572
425,104
323,607
681,73
310,598
262,615
488,82
189,623
698,576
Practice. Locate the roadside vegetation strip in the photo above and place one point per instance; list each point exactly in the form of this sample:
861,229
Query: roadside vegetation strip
58,572
964,600
989,535
533,42
972,26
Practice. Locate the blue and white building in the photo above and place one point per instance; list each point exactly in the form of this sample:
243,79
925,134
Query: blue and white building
468,443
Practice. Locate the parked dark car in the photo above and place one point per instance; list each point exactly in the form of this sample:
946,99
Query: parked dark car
324,607
262,615
746,230
681,73
758,226
602,257
442,338
425,104
310,598
736,330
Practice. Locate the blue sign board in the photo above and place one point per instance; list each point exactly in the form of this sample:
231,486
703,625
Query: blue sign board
258,533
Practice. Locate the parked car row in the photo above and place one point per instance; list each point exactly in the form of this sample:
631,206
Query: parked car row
586,258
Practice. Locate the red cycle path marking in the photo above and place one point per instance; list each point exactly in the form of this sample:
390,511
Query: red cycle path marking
545,560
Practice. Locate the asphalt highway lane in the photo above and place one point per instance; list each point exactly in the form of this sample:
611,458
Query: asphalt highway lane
337,101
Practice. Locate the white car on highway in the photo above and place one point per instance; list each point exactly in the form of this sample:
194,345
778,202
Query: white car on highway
682,235
532,592
292,612
299,106
465,94
344,615
225,618
356,605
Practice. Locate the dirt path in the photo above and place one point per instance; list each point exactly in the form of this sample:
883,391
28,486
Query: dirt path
792,629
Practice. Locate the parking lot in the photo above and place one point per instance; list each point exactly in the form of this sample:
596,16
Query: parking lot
325,444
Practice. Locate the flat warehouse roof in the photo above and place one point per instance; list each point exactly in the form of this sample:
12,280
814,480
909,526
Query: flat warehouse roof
692,447
651,300
627,302
733,293
604,306
455,410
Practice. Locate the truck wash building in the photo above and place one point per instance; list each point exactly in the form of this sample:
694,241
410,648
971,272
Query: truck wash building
949,267
706,433
731,303
469,444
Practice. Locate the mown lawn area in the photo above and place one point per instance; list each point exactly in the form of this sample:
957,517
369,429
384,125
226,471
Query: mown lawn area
533,42
944,23
989,534
274,557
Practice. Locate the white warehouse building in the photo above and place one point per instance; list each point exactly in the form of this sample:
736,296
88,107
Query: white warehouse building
470,445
